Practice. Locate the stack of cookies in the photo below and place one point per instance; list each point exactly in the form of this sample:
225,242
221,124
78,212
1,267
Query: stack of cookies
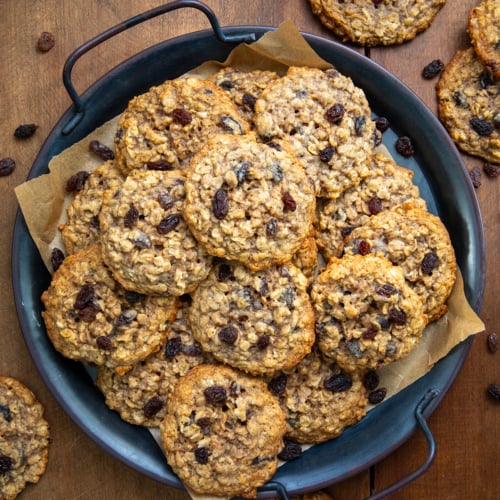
192,278
468,90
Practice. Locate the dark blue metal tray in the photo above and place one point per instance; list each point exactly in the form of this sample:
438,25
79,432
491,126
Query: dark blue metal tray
439,172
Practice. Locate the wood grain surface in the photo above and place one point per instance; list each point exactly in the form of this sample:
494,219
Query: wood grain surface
466,423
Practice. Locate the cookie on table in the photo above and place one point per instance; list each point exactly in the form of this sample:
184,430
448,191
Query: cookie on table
469,104
89,317
367,315
164,127
386,186
419,243
376,22
243,87
256,321
320,400
222,432
248,201
141,395
82,227
484,33
24,438
326,119
146,242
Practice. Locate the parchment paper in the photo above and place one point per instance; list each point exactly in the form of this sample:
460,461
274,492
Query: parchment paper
43,202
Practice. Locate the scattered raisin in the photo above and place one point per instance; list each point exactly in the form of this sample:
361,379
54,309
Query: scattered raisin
85,296
152,407
105,343
346,231
289,203
459,99
126,317
272,227
231,125
326,154
371,380
165,201
7,166
204,424
370,333
228,334
76,182
377,396
56,258
172,347
359,125
386,290
45,41
248,100
338,383
429,263
364,247
169,223
5,412
475,176
226,85
485,80
26,130
201,455
131,217
397,316
404,146
263,341
432,69
274,145
5,464
224,272
101,150
335,113
290,451
133,297
494,391
481,127
277,385
492,342
159,165
88,314
375,205
382,123
182,116
215,394
220,203
491,170
242,171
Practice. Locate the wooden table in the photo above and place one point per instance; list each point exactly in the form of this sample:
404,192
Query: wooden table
466,424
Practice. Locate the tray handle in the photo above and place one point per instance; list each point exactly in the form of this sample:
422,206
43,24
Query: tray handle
78,105
422,405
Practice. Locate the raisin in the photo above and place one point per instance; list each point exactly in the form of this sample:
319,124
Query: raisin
152,407
26,130
46,41
482,127
492,342
290,451
7,166
359,125
375,205
165,201
459,99
335,113
485,80
5,464
272,227
105,343
248,100
339,382
131,217
377,396
326,154
475,176
85,296
201,454
225,273
101,150
231,125
88,314
168,224
404,146
397,316
386,290
173,347
76,182
241,173
354,348
56,258
288,297
277,385
289,203
133,297
382,123
370,333
226,85
491,170
5,412
429,263
346,231
228,334
215,394
220,203
204,424
276,171
494,391
192,350
432,69
126,317
263,341
160,165
371,380
364,247
182,116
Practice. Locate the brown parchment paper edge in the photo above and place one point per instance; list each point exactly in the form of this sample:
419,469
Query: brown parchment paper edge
43,203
